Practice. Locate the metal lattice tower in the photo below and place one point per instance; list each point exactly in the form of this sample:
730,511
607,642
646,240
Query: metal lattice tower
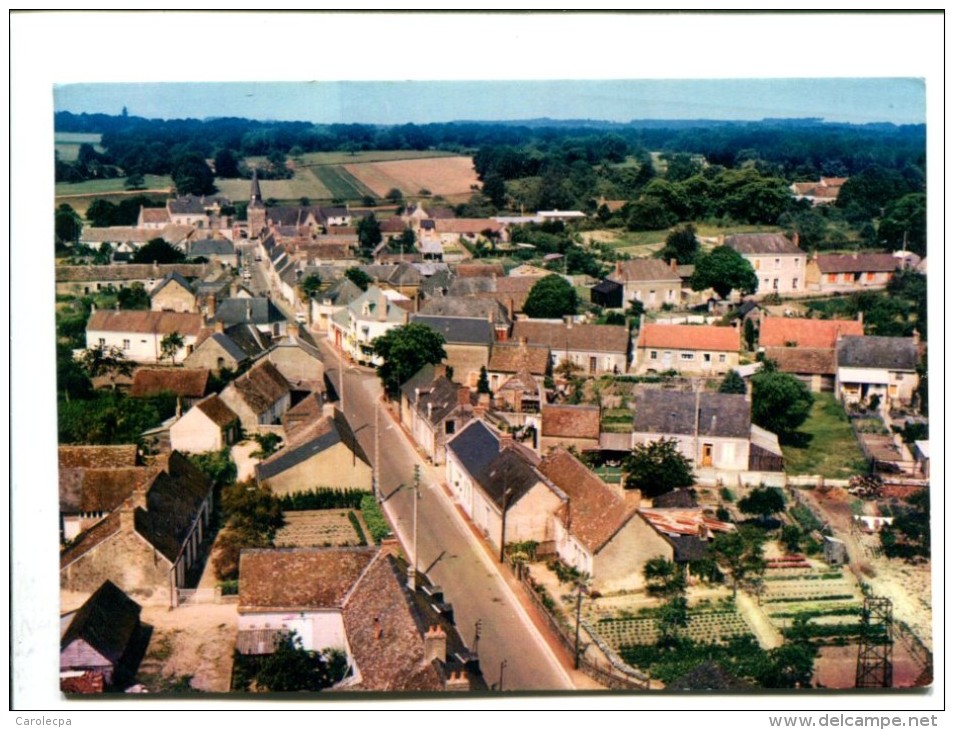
875,667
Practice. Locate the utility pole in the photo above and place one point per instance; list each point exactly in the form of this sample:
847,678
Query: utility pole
412,568
503,522
503,665
576,645
376,472
478,624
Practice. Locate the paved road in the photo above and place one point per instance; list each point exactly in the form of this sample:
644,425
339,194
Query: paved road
449,553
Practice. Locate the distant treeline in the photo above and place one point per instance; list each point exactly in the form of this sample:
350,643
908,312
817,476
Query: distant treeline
795,148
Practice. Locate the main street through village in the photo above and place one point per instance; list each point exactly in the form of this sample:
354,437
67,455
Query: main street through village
448,552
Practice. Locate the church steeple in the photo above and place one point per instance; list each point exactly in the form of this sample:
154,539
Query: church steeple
255,199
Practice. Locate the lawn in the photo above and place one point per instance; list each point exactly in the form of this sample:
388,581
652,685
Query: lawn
342,184
67,144
646,243
826,445
346,158
113,186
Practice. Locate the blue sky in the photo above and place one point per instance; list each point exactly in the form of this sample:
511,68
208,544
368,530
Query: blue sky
856,100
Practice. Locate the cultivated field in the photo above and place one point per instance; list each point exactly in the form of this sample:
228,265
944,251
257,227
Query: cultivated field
445,176
319,528
312,159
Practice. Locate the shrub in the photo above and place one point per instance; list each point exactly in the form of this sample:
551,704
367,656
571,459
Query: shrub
353,519
323,498
374,518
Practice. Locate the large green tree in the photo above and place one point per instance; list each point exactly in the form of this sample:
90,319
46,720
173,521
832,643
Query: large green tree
724,269
67,225
905,223
405,350
658,467
733,383
667,580
739,554
681,244
369,231
292,668
192,176
763,501
158,251
551,297
358,277
780,402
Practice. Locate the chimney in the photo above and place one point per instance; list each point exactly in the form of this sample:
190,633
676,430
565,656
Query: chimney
219,327
430,410
440,370
248,310
568,319
127,518
178,407
510,309
861,317
328,410
210,305
435,645
463,396
378,630
795,238
457,682
673,264
916,336
619,268
293,329
490,316
522,341
506,440
484,400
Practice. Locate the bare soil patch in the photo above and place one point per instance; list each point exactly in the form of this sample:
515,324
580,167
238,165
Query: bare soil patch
442,176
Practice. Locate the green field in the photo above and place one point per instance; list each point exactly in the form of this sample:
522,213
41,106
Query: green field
67,144
645,243
827,446
342,184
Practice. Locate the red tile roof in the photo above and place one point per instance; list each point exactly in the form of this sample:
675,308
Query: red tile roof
185,382
690,337
217,411
583,337
803,360
513,358
645,270
97,457
856,263
162,323
294,579
684,521
564,421
801,332
594,512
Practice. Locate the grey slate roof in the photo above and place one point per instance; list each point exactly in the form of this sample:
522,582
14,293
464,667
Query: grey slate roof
890,353
459,330
338,431
478,450
761,243
342,293
212,247
421,379
668,412
186,205
229,345
461,306
257,310
174,276
248,339
441,398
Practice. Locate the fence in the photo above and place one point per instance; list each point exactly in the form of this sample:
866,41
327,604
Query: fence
612,673
199,596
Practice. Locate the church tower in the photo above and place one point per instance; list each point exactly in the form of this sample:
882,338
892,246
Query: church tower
256,208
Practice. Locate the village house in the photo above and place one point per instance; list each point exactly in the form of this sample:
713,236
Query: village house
596,530
368,317
595,349
805,348
209,425
778,262
823,192
607,294
149,544
153,219
355,600
509,291
850,272
258,311
331,301
323,454
173,294
228,348
297,357
496,483
259,397
712,430
689,530
569,426
650,281
885,367
220,251
470,308
82,280
139,334
187,385
688,349
129,239
436,411
467,342
509,359
102,640
94,481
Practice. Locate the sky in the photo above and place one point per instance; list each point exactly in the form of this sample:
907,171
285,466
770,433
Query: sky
854,100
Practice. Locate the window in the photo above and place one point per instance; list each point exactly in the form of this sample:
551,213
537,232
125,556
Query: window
688,356
778,263
671,295
775,283
758,264
126,344
796,262
795,283
721,357
899,376
870,276
102,342
449,427
833,278
707,357
652,354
